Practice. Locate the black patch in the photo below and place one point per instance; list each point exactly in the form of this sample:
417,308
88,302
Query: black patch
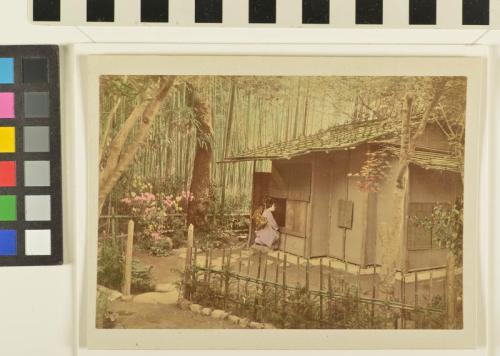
369,12
262,11
100,10
476,12
422,12
35,70
46,10
315,11
154,10
208,11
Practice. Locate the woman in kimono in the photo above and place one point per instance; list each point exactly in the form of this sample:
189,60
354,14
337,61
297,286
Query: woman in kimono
268,235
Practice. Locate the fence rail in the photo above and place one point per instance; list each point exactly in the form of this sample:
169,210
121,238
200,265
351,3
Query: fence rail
292,292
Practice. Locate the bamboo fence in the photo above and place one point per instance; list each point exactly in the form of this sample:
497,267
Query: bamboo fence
309,293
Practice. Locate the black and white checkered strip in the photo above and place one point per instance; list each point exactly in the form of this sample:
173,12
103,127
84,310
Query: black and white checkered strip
445,14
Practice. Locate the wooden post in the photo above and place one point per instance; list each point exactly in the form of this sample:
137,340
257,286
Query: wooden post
283,297
276,278
222,271
321,292
307,274
127,278
431,292
189,253
190,243
256,299
250,230
403,300
264,278
248,274
226,280
206,265
298,271
209,266
372,312
416,290
238,279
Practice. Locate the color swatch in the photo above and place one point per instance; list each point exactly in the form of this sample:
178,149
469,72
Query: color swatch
30,159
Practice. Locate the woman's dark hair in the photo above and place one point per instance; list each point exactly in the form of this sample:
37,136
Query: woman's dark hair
269,202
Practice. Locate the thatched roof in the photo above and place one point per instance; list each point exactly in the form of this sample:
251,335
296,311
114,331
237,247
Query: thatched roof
334,138
348,136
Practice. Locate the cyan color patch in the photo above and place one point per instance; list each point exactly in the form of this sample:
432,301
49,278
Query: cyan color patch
6,70
8,243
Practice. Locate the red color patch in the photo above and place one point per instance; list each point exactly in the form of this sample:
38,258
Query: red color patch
8,174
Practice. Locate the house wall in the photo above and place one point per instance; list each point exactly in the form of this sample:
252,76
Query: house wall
345,188
320,207
433,138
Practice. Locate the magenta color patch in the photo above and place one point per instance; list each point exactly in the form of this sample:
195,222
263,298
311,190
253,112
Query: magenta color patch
7,106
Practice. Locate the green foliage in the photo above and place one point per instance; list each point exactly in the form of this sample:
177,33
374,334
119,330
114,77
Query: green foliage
110,263
292,308
105,318
110,268
446,224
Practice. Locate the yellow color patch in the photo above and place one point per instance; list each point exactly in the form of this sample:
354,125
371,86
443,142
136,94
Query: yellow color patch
7,139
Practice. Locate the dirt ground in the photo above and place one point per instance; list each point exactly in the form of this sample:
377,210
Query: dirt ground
133,315
159,316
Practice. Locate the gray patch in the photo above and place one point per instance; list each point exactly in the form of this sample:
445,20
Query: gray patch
37,173
37,208
36,139
36,105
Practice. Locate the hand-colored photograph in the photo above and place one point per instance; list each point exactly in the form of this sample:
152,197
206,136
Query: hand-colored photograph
281,202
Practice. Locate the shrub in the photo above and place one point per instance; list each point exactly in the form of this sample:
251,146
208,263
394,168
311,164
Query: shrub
110,268
105,318
110,264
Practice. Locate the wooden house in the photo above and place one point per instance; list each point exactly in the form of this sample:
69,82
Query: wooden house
321,208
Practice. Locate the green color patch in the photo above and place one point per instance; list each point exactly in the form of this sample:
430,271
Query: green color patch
8,211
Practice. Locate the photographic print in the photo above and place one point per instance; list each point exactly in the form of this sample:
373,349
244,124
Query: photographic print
325,202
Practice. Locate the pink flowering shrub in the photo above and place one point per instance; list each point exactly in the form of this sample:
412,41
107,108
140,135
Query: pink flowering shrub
158,217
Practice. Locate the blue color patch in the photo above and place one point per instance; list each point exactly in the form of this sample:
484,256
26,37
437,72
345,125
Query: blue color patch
6,70
8,243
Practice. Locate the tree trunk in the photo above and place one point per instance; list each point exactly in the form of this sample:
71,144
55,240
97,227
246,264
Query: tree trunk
202,166
392,236
119,161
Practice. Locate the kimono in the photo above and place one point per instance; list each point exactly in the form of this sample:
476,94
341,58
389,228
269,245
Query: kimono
269,234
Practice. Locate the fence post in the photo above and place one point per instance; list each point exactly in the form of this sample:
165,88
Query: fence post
226,278
189,252
128,260
321,292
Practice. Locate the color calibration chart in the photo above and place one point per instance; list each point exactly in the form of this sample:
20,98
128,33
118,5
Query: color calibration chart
30,156
270,13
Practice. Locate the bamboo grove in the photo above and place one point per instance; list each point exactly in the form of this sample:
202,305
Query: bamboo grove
249,112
